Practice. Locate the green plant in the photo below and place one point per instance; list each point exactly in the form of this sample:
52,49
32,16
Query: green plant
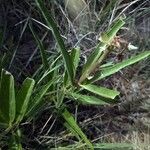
13,108
72,87
16,104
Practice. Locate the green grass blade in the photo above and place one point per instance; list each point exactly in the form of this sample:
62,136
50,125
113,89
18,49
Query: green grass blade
111,146
51,23
107,93
72,123
65,79
92,61
102,146
7,98
109,64
111,70
75,57
15,141
36,101
48,73
91,100
41,47
23,97
60,97
72,130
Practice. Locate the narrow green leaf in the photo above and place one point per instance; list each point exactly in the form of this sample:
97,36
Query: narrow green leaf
7,98
48,73
23,97
113,146
107,93
72,123
65,79
109,64
115,68
41,47
88,99
92,61
75,57
104,146
72,131
36,101
115,28
51,23
60,97
15,141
